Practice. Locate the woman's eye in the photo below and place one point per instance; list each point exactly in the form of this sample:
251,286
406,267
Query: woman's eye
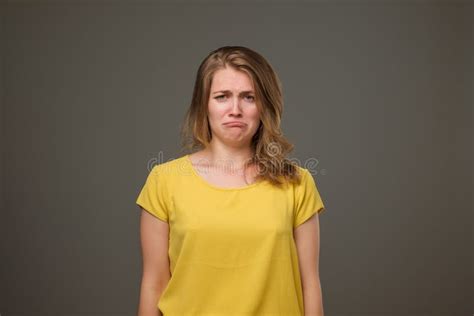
219,97
251,97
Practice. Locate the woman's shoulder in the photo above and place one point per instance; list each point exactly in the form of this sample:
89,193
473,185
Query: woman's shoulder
300,169
170,167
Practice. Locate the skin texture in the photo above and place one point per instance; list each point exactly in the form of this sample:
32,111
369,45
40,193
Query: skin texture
220,164
307,245
156,268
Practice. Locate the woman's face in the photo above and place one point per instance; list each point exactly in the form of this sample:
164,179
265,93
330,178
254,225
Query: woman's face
232,99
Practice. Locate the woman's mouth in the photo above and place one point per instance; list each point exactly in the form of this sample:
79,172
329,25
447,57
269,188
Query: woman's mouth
234,124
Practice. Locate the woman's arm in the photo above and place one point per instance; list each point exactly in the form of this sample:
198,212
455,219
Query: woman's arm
156,273
307,244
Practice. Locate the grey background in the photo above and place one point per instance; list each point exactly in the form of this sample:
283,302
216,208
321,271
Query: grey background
380,94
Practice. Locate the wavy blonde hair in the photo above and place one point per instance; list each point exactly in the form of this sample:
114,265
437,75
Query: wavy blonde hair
269,146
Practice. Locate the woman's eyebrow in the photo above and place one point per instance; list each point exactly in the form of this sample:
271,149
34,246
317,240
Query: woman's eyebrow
228,91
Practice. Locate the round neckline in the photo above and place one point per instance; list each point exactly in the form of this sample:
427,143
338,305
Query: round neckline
204,181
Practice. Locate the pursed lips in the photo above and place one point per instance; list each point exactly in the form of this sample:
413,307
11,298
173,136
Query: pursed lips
234,123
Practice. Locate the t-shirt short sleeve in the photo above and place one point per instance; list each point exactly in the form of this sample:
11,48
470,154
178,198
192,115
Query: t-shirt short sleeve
154,196
307,199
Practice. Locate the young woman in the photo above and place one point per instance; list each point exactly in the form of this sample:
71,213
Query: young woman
228,229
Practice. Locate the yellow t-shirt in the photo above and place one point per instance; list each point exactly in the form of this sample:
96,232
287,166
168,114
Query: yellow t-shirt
231,250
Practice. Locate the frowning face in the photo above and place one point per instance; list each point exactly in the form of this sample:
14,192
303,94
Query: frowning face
233,112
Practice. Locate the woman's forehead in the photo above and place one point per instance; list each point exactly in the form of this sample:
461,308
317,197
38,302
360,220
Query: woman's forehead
229,79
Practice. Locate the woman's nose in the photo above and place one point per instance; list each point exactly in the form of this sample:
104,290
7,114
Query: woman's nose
236,105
